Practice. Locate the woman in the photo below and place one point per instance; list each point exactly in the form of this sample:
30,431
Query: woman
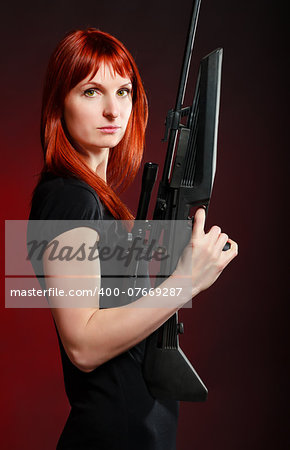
93,123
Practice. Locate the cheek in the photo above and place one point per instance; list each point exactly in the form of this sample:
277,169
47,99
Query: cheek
128,112
78,119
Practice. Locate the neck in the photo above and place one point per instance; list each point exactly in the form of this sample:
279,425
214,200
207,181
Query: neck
98,162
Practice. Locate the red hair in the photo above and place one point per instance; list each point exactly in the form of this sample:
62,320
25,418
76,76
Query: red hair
77,56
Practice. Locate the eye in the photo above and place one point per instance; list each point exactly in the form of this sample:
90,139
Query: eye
123,92
90,92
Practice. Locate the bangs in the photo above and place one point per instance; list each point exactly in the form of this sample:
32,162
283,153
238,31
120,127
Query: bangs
98,51
116,64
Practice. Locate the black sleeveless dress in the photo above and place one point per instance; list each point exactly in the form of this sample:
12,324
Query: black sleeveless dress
111,408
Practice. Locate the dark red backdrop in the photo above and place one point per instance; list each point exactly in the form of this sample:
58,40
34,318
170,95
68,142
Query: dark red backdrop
235,331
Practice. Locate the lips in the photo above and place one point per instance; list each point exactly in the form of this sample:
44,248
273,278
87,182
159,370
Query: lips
109,129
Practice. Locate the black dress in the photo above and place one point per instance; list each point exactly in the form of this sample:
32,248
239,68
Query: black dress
111,408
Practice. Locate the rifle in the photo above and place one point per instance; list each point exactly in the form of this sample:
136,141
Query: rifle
186,183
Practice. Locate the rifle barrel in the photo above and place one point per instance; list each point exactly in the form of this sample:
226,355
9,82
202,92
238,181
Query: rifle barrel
181,88
187,55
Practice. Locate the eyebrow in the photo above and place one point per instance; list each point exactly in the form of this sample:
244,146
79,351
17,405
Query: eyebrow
99,85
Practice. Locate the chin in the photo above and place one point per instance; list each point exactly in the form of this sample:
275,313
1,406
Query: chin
109,141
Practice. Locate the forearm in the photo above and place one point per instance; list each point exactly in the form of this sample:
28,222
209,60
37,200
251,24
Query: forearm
110,332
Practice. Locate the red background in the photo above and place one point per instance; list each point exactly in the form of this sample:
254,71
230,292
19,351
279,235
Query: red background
235,332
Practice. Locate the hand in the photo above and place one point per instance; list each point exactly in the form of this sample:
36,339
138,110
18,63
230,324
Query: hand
204,254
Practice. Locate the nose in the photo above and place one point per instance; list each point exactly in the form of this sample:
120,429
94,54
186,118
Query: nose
111,107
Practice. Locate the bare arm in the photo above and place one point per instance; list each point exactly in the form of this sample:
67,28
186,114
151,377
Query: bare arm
92,336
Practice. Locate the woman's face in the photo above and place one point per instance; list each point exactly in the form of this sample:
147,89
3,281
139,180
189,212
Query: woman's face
96,112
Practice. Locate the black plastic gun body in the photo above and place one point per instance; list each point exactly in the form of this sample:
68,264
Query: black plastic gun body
186,183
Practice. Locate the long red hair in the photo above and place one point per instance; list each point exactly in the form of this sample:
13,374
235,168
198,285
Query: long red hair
78,55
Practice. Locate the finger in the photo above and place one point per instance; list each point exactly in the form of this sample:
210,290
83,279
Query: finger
214,234
234,247
221,242
229,255
198,224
